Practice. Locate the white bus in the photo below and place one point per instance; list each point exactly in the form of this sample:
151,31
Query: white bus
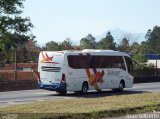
80,71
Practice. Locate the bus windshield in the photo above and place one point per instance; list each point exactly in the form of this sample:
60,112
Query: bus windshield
129,65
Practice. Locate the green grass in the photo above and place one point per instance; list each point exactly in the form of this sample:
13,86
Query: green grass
90,107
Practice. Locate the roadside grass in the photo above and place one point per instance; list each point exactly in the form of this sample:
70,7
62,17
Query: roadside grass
80,108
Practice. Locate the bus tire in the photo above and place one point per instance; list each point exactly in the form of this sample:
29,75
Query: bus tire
61,92
121,86
77,92
84,88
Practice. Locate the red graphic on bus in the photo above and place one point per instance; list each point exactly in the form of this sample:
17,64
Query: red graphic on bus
95,78
47,59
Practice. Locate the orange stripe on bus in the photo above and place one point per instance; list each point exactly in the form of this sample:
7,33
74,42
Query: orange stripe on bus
91,79
95,78
88,73
100,77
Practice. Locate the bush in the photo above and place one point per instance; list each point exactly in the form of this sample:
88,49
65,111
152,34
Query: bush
144,70
140,58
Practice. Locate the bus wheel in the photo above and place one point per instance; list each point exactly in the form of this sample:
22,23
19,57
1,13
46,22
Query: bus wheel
84,88
77,92
121,86
61,92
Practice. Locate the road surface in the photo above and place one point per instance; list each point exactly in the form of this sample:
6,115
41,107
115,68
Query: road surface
28,96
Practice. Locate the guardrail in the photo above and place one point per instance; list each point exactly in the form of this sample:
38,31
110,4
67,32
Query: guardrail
147,79
18,85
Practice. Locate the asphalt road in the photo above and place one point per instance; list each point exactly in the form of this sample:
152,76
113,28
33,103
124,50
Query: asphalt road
28,96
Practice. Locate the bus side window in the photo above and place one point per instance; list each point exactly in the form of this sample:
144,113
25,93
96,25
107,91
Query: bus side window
73,61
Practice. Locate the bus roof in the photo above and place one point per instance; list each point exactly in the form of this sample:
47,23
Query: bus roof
91,51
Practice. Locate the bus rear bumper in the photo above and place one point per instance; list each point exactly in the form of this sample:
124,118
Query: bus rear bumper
53,87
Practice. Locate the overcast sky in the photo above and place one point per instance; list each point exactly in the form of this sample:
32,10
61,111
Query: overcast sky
60,19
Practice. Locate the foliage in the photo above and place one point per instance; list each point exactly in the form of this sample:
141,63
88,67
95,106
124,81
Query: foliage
107,42
140,61
14,30
88,42
152,40
142,68
135,48
54,46
66,44
51,46
31,46
124,45
140,58
144,48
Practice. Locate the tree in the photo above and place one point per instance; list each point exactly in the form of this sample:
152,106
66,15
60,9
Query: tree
107,42
140,58
148,34
66,45
124,45
14,30
51,46
153,40
32,46
145,48
88,42
135,48
54,46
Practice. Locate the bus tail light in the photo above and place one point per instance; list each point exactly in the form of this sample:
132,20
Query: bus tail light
63,80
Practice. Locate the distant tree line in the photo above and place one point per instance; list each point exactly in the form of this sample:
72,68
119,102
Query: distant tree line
151,44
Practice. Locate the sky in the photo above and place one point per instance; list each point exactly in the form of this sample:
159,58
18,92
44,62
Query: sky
56,20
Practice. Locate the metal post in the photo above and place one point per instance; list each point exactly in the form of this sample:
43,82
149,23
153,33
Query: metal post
15,66
156,65
156,55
